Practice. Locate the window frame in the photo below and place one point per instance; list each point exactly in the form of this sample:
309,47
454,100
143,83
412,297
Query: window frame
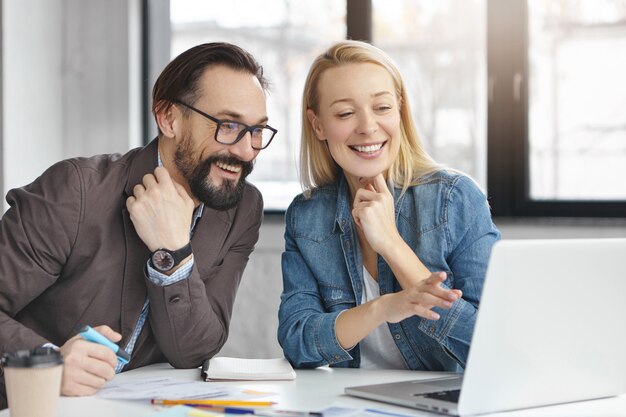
508,164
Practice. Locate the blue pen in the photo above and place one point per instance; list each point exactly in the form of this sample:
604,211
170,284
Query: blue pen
90,334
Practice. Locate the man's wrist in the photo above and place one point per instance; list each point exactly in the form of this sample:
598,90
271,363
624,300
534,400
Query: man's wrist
166,261
177,267
182,272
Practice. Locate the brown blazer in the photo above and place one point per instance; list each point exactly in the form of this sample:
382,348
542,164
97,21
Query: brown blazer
70,256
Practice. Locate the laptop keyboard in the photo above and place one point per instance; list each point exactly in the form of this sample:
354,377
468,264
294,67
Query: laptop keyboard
449,395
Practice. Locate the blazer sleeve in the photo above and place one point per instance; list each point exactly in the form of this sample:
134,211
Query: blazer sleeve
36,238
190,318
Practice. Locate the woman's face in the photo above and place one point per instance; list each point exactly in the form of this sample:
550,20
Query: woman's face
359,117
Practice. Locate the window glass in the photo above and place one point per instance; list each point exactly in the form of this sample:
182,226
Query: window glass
577,96
439,47
284,36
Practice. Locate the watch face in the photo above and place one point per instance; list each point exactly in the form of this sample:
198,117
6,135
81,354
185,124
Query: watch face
162,260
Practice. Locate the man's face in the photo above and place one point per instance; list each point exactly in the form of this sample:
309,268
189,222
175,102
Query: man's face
216,172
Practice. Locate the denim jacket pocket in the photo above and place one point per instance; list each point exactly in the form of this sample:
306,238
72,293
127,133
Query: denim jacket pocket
336,297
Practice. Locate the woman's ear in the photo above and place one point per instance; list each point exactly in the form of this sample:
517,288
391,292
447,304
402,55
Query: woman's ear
166,118
316,124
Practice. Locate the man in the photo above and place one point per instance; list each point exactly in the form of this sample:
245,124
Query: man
148,247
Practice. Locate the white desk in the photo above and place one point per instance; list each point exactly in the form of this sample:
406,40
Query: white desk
312,390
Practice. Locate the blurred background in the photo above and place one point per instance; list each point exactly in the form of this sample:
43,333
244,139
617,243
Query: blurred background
526,96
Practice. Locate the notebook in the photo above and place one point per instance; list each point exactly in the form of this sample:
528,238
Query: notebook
225,368
550,329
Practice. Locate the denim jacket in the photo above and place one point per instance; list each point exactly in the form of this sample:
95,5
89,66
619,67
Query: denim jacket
444,218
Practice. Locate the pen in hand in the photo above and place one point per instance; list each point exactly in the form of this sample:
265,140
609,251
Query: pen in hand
90,334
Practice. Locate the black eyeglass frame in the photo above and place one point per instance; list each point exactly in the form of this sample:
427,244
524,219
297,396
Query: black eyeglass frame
240,135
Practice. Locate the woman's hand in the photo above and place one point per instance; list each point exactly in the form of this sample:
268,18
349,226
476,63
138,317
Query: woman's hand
418,300
354,324
373,212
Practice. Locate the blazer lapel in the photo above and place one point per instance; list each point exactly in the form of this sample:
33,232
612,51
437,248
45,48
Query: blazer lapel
209,236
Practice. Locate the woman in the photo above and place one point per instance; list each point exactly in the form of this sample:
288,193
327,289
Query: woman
385,252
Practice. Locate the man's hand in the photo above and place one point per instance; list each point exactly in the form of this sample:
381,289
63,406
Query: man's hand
161,211
88,366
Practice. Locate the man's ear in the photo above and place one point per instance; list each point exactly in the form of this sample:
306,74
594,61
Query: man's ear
167,119
316,124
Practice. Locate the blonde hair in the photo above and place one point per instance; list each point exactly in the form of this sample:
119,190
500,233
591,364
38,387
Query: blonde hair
317,167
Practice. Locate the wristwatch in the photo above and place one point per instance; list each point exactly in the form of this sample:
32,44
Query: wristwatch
164,260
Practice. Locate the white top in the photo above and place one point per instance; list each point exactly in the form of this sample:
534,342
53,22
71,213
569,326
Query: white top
378,350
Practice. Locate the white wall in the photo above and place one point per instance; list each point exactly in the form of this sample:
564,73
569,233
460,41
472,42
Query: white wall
71,79
32,96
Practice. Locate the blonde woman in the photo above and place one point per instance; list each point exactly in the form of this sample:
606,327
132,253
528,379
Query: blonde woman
385,251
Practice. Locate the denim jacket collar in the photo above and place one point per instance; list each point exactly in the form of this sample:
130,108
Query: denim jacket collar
343,215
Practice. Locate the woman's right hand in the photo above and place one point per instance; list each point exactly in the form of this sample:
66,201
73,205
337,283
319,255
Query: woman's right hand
418,300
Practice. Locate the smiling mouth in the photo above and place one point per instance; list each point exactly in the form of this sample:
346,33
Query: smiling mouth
227,167
368,148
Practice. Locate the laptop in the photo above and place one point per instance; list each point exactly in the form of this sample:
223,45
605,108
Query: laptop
550,330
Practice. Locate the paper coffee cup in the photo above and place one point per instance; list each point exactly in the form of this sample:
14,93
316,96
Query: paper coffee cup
33,382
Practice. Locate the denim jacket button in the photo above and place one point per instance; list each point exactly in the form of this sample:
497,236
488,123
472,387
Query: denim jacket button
343,222
431,329
397,336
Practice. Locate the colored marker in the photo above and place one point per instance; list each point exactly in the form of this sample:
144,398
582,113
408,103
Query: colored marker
90,334
223,403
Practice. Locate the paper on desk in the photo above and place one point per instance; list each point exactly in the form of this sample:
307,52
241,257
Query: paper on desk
164,388
359,412
176,411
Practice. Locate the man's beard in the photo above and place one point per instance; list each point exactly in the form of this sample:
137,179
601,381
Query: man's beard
221,197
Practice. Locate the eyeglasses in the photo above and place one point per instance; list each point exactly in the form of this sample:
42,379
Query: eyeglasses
229,132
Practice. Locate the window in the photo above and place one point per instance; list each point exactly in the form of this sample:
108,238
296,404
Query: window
577,123
523,95
439,47
285,36
557,134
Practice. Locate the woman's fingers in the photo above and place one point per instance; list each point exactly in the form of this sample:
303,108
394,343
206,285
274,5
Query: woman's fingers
380,184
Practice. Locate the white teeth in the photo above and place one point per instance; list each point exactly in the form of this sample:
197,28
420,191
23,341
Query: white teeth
369,148
232,168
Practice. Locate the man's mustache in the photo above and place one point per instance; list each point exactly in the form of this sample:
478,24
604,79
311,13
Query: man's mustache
246,166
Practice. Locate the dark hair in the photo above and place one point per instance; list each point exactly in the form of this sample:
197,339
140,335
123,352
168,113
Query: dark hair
179,79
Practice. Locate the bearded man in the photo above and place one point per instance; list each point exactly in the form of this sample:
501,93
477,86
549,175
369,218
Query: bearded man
148,247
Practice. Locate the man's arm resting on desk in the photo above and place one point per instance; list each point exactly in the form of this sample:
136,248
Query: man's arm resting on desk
190,318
